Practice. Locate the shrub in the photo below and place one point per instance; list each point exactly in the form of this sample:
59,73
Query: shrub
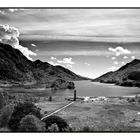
62,84
127,84
110,81
53,128
70,85
4,129
137,84
86,129
5,115
20,111
52,73
130,100
31,123
135,75
61,123
2,101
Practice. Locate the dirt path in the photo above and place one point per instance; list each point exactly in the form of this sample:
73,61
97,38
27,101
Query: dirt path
57,111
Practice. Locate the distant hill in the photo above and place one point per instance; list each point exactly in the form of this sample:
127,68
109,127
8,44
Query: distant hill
127,75
16,68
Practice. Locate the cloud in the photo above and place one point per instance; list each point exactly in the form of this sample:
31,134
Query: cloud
53,63
79,24
68,65
33,45
87,64
77,53
119,50
13,10
125,57
66,61
113,58
115,62
113,68
53,58
133,57
9,35
2,12
122,62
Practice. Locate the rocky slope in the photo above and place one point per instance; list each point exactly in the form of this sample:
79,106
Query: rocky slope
16,68
127,75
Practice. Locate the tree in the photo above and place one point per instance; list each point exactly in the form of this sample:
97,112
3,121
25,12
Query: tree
135,75
31,123
2,101
61,123
20,111
5,115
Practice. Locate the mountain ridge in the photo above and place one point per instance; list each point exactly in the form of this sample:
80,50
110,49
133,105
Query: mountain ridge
16,68
127,75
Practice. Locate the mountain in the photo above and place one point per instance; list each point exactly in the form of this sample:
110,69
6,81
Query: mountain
16,68
127,75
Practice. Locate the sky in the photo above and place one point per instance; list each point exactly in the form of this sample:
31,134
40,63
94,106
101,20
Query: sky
90,42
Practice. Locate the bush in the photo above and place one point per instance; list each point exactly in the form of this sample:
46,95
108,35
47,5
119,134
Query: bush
5,115
86,129
61,124
2,101
62,84
135,75
130,100
127,84
20,111
31,123
53,128
137,84
70,85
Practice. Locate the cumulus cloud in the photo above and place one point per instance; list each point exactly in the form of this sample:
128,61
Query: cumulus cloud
13,10
87,64
115,62
67,61
113,58
53,58
113,68
33,45
133,57
122,62
125,57
119,50
9,35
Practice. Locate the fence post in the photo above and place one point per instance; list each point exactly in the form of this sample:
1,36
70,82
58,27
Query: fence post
74,95
50,98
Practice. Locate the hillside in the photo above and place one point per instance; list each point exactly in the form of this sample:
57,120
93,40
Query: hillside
16,68
127,75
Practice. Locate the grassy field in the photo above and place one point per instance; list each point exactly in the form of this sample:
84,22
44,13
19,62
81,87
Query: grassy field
114,114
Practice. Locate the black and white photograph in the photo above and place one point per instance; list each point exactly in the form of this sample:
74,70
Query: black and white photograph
69,70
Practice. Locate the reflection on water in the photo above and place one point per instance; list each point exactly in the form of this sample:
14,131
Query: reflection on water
83,88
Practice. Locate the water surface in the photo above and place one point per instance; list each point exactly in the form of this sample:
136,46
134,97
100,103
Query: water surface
83,88
87,88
